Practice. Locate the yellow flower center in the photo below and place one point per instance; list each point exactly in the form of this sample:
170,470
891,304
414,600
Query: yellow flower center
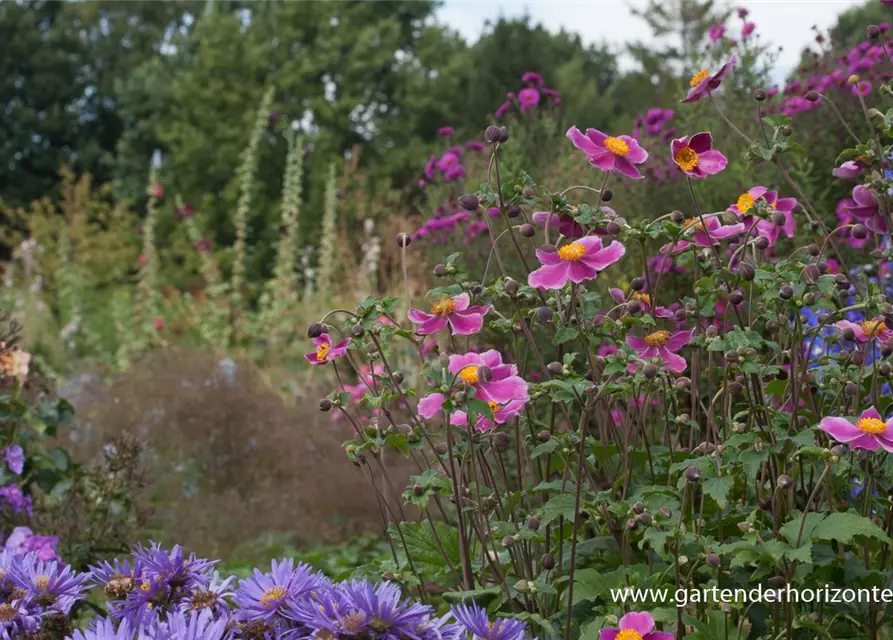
469,374
146,586
697,79
693,224
657,339
494,406
572,252
42,582
353,622
641,297
8,612
686,158
871,425
616,146
629,634
271,596
443,307
872,328
745,202
323,351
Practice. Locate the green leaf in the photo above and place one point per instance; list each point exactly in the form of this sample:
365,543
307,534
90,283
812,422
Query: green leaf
718,489
556,507
565,334
843,527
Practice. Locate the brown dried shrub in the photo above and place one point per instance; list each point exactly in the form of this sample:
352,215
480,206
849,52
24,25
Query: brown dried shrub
230,460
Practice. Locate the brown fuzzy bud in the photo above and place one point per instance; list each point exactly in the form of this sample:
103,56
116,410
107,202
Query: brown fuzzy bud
527,230
469,202
403,240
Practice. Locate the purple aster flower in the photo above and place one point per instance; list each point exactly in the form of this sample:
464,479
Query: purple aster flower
430,167
447,160
195,626
717,31
747,30
638,625
18,618
211,597
263,596
474,145
446,131
116,578
696,157
463,319
104,629
577,261
502,109
703,83
861,88
52,584
475,621
532,77
609,153
863,205
15,458
387,613
326,350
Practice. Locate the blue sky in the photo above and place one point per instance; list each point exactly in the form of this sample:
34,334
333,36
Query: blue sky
785,23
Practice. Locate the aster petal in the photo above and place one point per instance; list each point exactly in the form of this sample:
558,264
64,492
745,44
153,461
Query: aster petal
840,429
617,294
639,621
312,359
321,339
459,361
430,405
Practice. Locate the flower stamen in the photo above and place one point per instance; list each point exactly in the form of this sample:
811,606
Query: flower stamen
628,634
873,328
470,374
272,596
745,202
572,252
698,78
686,158
443,307
323,351
658,338
616,146
871,425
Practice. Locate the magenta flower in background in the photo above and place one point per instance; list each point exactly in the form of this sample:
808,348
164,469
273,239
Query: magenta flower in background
577,261
505,106
696,157
447,160
23,541
636,625
501,415
717,31
663,346
463,319
844,217
326,351
474,145
15,458
864,207
868,330
566,225
848,170
11,495
742,12
446,131
430,168
861,88
704,236
746,205
609,153
747,30
869,432
702,83
528,98
532,77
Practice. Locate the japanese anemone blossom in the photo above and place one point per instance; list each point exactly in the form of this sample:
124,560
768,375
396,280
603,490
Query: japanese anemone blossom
464,320
746,206
501,415
501,388
662,345
644,299
326,351
696,156
636,625
704,234
567,226
702,83
864,206
844,217
848,170
609,153
867,330
577,261
869,432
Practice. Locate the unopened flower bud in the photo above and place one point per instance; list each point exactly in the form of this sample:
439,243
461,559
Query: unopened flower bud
784,481
492,134
812,96
860,231
555,368
613,228
848,334
678,217
545,314
357,330
501,441
514,211
548,562
747,271
786,292
507,542
645,519
666,512
403,240
779,219
745,527
418,490
397,377
759,95
325,405
632,524
872,32
315,330
692,474
533,524
527,230
469,202
527,192
607,195
650,371
761,243
714,560
510,286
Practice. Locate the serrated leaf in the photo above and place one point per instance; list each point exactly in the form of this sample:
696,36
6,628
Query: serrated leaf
843,527
718,489
556,507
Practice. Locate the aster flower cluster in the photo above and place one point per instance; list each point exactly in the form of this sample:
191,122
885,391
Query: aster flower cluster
163,594
533,94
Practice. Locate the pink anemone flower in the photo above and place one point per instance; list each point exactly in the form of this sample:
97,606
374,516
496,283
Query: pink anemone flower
703,234
696,156
662,345
869,432
868,330
577,261
702,83
501,415
610,153
849,170
636,625
502,386
759,195
463,319
326,351
863,205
